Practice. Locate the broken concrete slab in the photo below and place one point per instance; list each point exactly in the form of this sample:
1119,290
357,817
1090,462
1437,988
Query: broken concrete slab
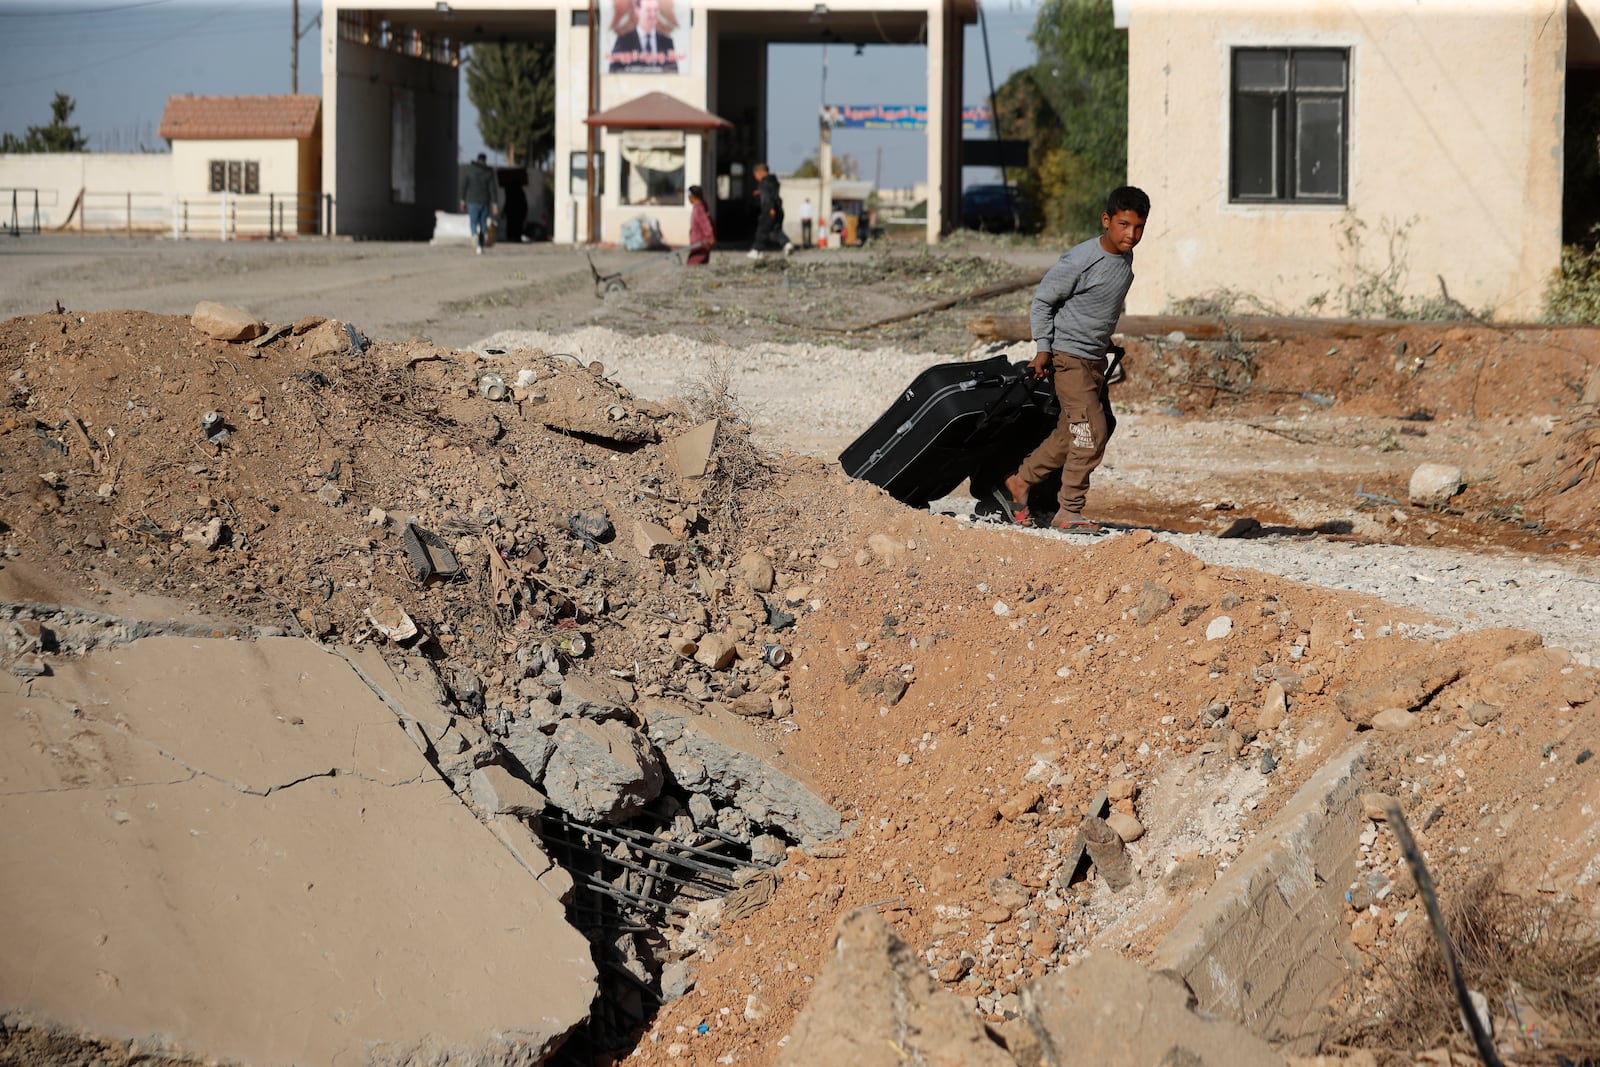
530,747
497,791
1265,945
691,452
525,845
875,1005
601,772
412,692
591,696
1105,1011
716,754
206,838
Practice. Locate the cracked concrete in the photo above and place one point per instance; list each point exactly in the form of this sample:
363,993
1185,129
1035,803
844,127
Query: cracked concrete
234,847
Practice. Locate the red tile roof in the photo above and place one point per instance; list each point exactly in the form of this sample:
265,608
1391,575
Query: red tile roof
658,111
191,118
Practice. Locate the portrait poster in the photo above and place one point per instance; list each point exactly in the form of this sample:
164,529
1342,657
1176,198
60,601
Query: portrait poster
646,37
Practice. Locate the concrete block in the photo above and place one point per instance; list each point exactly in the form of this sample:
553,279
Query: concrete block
1263,946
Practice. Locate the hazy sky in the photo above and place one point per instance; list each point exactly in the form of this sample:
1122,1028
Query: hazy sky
121,59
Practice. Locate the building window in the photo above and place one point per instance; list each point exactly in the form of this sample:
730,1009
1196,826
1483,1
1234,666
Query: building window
235,176
578,174
653,167
1290,125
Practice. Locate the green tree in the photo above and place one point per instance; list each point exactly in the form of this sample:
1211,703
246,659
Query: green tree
59,136
1081,79
513,86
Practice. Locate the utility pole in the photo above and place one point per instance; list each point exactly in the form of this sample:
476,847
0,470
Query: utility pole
825,161
590,170
298,32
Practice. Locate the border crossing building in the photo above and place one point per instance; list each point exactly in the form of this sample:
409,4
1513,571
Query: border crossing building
688,106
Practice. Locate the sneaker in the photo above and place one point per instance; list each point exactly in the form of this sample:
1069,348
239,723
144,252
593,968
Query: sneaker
788,249
754,253
480,250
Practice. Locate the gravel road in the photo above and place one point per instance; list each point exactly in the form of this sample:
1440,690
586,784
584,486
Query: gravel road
815,399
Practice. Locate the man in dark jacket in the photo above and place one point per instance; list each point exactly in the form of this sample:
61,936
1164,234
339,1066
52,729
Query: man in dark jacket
478,197
769,226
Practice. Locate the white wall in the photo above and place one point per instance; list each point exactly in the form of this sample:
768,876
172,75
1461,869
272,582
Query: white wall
1455,137
113,179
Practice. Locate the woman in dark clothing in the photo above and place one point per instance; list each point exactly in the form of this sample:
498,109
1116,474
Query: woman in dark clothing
702,235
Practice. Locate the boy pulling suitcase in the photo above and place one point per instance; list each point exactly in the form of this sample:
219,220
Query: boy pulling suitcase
1074,311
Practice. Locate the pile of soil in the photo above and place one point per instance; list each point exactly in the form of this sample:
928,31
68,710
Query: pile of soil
960,694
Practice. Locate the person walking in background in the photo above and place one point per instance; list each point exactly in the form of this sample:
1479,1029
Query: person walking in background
769,225
805,223
1074,311
702,234
478,197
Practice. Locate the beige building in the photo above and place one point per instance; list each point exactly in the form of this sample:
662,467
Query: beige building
1294,151
262,155
390,90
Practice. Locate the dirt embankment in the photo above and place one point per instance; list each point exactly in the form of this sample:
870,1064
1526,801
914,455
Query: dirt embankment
958,694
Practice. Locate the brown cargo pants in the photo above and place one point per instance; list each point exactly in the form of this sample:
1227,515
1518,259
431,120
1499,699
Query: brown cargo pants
1078,443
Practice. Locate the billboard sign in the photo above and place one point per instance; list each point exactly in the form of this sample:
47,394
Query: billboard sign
896,117
645,37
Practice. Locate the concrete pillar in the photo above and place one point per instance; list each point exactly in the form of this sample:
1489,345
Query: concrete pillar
937,118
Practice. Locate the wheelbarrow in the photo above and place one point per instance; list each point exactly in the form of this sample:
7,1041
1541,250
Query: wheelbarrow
613,283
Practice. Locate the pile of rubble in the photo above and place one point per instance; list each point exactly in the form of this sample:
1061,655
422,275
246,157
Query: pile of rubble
717,700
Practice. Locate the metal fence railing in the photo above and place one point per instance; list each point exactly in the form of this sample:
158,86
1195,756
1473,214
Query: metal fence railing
24,216
229,216
211,216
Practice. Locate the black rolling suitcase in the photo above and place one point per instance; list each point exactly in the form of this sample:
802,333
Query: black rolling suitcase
953,421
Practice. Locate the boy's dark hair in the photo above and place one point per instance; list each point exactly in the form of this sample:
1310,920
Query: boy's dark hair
1128,198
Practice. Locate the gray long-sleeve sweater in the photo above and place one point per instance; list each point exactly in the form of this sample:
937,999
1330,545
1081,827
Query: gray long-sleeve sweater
1077,305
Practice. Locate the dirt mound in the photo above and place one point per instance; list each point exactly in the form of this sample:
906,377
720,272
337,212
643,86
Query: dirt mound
960,694
1565,472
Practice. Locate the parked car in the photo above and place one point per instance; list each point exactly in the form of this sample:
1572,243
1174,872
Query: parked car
996,208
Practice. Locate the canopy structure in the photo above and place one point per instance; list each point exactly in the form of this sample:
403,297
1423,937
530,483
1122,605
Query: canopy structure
657,111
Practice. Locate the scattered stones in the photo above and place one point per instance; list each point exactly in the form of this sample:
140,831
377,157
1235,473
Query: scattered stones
1126,826
225,323
1375,806
715,651
499,792
601,772
655,542
1274,708
205,534
1105,848
1154,602
1020,803
1434,483
1218,628
755,570
1008,893
1393,721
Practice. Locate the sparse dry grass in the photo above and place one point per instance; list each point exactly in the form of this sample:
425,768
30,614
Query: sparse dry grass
1537,962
